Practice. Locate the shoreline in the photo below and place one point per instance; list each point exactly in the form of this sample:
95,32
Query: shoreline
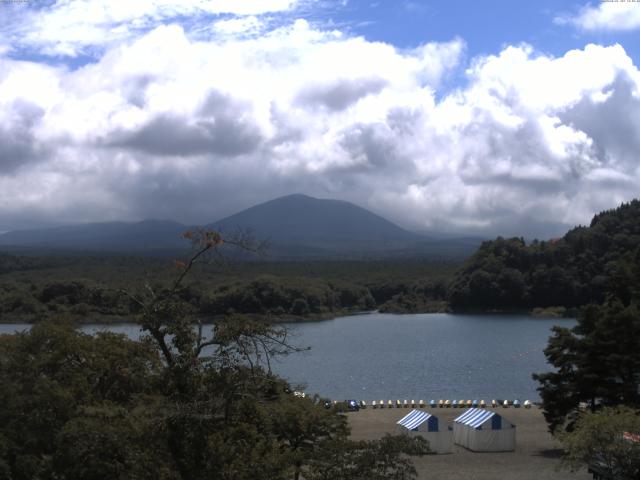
103,319
97,319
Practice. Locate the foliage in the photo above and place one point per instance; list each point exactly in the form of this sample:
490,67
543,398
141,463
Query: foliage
368,460
49,375
294,296
423,295
597,362
598,440
578,269
13,263
175,405
87,287
305,426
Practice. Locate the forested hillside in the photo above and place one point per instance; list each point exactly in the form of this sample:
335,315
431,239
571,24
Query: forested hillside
578,269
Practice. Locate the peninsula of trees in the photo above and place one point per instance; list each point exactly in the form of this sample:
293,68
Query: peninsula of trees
573,271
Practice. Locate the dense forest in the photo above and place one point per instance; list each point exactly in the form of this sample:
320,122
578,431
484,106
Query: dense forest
575,270
89,288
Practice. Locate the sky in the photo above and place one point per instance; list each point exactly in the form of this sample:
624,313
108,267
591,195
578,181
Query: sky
463,117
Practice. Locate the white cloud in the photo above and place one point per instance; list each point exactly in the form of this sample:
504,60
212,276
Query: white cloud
76,27
165,125
250,7
611,16
235,26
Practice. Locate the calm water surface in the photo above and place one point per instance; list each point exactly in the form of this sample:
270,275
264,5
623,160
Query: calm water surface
376,356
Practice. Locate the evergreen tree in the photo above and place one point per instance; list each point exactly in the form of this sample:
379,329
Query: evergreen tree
597,363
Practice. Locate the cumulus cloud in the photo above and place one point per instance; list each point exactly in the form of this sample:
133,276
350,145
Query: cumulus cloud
512,148
607,16
166,125
613,118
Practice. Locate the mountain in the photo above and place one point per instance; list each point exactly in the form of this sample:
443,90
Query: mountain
327,225
294,226
108,236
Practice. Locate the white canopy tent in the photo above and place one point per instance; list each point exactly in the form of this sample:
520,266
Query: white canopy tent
482,430
426,425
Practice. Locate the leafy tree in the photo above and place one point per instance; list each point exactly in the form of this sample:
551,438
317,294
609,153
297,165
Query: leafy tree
598,440
597,363
367,460
49,374
304,425
111,442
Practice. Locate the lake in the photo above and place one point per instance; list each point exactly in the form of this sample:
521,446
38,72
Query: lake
382,356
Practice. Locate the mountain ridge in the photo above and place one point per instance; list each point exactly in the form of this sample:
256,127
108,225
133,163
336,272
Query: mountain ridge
295,226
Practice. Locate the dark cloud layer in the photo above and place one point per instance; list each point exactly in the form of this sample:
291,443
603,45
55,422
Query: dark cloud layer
340,94
220,127
18,143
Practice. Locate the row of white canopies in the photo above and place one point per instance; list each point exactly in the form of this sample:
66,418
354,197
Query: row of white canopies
476,429
448,403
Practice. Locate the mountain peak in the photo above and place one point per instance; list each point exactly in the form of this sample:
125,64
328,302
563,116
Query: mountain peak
302,220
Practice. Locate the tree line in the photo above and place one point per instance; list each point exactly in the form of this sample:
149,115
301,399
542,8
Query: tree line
33,289
578,269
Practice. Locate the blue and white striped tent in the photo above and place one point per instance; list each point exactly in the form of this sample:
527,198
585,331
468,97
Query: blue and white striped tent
415,418
426,425
483,430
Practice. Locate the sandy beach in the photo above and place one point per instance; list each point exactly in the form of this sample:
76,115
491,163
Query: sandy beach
537,454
